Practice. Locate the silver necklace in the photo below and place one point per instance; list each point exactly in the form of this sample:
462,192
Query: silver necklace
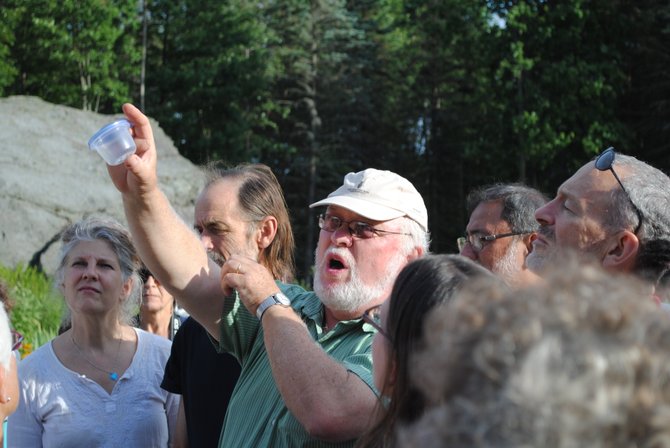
112,375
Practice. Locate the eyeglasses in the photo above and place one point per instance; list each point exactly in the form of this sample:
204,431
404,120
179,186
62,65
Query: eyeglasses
357,229
17,340
604,162
372,317
477,241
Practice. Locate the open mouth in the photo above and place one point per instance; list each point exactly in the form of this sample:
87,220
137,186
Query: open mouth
335,264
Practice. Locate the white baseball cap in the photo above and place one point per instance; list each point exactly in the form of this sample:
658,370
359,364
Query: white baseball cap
380,196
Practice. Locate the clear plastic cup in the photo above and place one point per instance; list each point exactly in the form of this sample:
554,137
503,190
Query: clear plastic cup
114,142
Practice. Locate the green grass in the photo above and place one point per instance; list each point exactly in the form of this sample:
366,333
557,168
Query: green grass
37,306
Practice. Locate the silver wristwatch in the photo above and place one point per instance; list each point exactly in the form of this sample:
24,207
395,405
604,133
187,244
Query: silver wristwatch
274,299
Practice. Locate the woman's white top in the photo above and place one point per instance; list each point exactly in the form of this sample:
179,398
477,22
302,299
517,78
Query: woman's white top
62,408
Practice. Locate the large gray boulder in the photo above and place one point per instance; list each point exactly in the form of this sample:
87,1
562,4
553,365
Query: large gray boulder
49,178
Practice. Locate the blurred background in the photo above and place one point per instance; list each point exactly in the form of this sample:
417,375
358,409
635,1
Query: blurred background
451,94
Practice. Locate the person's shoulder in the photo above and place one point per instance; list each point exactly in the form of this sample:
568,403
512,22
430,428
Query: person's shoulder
189,325
188,331
153,340
295,292
35,362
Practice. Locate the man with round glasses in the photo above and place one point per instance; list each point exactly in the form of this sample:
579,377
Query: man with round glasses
374,224
501,230
306,356
615,209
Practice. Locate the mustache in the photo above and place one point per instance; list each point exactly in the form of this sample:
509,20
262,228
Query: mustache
216,258
546,232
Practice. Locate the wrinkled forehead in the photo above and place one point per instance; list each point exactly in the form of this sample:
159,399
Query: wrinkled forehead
589,184
99,248
220,201
487,213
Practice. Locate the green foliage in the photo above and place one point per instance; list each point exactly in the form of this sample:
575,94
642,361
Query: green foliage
209,66
450,94
311,45
72,52
37,307
644,108
437,101
558,81
7,68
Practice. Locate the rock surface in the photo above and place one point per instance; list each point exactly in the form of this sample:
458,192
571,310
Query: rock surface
49,178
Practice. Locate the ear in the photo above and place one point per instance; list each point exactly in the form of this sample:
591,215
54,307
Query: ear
621,253
266,231
415,253
528,242
127,289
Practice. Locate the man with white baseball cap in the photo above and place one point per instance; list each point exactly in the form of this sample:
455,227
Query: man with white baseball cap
306,357
374,224
380,196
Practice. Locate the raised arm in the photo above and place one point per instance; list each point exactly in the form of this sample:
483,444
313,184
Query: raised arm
169,248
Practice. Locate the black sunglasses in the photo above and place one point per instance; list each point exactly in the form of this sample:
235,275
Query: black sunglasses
144,274
604,162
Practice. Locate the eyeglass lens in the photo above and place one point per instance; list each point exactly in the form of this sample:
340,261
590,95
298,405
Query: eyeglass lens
357,229
460,242
474,241
605,159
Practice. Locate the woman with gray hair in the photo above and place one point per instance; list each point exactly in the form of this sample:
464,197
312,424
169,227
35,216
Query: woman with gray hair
98,383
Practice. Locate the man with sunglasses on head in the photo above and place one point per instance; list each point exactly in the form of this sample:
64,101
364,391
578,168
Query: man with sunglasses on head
501,230
306,357
615,209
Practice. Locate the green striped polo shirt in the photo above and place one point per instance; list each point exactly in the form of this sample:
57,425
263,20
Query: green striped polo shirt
257,415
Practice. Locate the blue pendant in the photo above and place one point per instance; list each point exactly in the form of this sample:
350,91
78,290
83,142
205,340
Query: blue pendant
113,376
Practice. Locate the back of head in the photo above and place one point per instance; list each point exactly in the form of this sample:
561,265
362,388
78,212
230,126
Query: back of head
519,203
119,240
260,195
422,285
581,361
649,190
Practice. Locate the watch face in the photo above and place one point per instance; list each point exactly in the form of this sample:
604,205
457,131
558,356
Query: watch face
281,298
274,299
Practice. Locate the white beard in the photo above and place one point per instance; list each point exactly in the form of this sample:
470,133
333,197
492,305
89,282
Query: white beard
354,294
506,267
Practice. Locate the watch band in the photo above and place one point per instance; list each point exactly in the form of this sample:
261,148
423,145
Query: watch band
273,299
